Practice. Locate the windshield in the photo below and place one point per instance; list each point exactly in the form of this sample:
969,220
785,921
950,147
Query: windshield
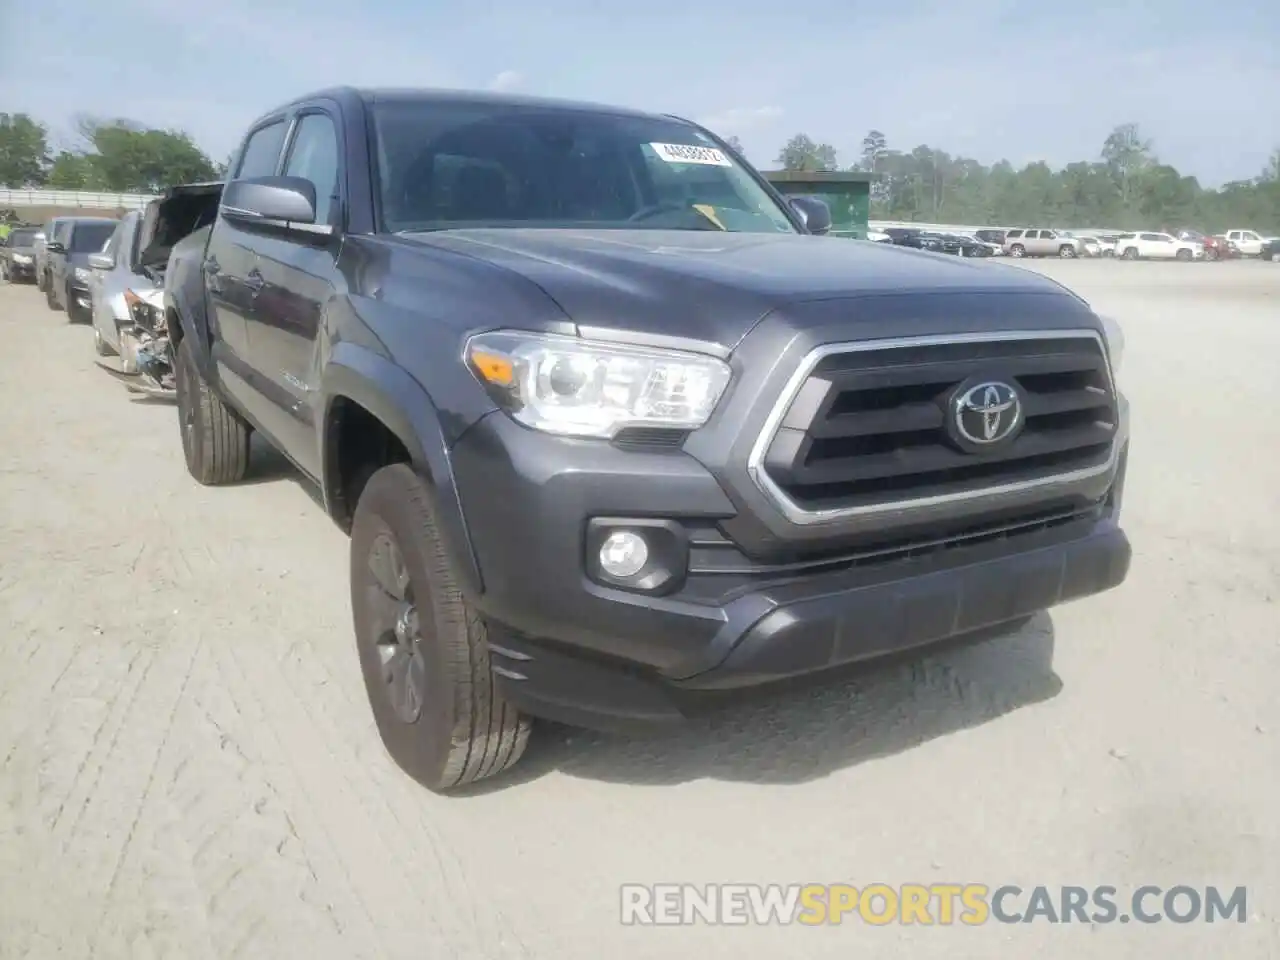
475,164
22,238
90,237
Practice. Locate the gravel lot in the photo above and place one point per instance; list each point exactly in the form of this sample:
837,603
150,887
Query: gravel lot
190,768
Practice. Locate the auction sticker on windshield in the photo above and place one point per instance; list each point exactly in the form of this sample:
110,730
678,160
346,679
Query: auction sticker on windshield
688,153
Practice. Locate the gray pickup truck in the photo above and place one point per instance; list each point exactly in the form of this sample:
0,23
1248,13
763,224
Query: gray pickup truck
613,426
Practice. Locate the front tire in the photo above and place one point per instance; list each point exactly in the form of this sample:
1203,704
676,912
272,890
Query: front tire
1017,250
1183,255
215,440
423,648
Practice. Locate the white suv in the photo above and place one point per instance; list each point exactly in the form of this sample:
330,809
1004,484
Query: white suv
1157,246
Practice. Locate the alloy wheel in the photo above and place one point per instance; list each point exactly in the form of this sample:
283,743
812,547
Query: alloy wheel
397,629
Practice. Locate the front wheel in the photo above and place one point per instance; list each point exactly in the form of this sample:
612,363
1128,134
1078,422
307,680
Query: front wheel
1067,252
1017,250
215,440
1183,255
424,650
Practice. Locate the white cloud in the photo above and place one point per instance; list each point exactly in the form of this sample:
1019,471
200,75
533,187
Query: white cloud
739,120
506,81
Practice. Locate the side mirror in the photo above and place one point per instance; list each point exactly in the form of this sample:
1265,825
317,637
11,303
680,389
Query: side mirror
275,204
100,261
814,212
54,246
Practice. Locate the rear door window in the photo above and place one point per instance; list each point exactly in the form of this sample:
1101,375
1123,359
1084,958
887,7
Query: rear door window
262,151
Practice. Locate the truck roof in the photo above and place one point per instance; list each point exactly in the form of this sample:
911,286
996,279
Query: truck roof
366,95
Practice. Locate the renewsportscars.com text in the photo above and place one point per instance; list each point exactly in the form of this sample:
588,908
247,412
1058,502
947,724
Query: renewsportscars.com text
966,904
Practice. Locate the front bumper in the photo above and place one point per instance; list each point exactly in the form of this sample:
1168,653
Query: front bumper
23,271
569,648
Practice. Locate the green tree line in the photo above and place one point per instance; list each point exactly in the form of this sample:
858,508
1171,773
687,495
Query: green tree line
118,156
1125,186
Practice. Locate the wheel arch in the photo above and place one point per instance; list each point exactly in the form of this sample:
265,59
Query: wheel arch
357,380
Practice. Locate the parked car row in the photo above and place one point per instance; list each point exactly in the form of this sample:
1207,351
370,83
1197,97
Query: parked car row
1182,244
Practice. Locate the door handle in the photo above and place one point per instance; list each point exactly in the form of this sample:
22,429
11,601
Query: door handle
211,266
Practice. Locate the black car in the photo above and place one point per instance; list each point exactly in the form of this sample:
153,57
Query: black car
67,263
18,255
991,236
960,245
1270,251
913,237
613,425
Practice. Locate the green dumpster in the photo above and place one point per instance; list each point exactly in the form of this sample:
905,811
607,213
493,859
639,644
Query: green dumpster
846,192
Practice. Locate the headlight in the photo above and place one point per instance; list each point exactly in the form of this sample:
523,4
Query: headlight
588,388
82,274
21,258
1114,336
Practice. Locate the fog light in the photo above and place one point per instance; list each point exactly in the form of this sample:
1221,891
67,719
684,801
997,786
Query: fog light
623,554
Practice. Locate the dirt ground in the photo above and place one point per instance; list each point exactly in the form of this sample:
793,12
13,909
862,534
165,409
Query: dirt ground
189,767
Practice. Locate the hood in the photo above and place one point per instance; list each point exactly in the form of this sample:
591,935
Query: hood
713,285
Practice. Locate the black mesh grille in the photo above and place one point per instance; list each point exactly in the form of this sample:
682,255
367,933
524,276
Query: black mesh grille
870,426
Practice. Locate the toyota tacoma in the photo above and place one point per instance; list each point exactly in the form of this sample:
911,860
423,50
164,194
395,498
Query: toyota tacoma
612,424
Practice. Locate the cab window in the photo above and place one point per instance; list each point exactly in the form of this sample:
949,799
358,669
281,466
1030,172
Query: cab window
314,157
261,151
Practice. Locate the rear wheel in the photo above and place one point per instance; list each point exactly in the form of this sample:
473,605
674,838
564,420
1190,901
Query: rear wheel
40,282
49,297
423,648
1067,251
215,440
1131,253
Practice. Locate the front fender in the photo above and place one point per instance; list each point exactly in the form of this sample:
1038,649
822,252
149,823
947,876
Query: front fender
403,406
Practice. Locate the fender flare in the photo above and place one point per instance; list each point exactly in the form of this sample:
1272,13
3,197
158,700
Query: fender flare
364,377
195,328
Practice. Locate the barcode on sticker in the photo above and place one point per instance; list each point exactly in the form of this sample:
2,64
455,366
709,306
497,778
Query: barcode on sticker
688,153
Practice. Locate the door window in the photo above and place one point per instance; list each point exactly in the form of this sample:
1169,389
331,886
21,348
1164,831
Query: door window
314,157
258,159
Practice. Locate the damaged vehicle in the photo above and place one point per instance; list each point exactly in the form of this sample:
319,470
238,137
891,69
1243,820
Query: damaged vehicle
614,426
127,285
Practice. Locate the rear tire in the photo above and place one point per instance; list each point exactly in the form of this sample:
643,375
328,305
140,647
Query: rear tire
40,282
215,440
423,648
1067,252
50,298
1131,253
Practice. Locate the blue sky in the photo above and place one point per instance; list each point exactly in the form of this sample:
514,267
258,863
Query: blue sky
1018,79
